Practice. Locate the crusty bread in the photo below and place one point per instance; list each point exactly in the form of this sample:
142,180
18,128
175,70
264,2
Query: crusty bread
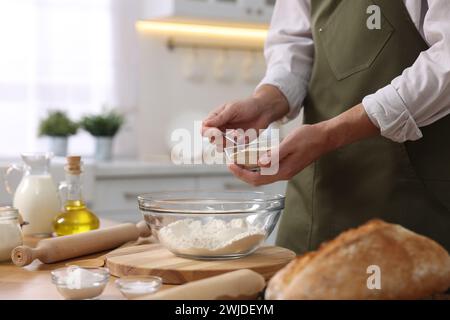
412,267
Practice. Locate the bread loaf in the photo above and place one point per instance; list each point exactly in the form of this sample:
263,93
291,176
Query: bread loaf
411,266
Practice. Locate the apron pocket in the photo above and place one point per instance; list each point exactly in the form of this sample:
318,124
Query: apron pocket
348,55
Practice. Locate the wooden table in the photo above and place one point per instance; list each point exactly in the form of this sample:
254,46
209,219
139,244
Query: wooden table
33,282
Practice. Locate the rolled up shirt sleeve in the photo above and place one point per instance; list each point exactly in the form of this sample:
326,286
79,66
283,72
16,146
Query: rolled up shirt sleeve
421,94
289,52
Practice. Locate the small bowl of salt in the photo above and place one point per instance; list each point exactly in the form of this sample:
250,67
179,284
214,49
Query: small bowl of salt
133,287
75,283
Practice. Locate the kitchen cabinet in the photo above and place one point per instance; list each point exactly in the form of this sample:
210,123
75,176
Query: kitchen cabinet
117,185
110,189
121,194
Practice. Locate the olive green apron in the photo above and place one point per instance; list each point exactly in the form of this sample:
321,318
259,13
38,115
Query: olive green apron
406,183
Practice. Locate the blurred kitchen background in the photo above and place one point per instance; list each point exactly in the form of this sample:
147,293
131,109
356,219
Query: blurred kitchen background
161,63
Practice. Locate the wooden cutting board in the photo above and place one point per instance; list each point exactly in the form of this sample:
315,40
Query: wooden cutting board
155,260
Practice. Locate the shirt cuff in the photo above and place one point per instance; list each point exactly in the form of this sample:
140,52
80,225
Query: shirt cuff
292,86
387,110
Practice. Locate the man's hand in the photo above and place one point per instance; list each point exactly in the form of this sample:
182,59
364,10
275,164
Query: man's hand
309,142
267,105
304,145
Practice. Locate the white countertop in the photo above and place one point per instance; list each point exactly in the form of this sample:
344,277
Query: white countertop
94,171
140,168
128,167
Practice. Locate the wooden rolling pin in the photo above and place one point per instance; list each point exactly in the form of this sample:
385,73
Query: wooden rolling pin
61,248
242,284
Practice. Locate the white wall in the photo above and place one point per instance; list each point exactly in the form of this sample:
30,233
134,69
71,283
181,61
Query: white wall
168,100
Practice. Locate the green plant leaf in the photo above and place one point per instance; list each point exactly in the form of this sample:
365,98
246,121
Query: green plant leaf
57,124
103,125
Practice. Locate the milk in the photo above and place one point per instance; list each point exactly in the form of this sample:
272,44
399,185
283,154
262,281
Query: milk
37,200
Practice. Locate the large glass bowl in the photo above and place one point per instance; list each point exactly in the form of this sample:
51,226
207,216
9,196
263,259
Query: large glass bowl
211,225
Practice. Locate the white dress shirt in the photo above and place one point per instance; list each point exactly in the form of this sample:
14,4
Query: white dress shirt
416,98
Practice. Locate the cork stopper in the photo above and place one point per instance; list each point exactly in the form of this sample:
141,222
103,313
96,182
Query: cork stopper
73,165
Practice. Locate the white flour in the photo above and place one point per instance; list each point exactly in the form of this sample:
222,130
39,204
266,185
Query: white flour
81,284
79,278
215,237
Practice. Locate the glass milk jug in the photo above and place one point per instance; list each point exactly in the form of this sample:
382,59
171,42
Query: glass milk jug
36,196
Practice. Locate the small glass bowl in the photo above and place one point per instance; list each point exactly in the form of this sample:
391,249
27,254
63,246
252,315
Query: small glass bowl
246,155
90,289
137,286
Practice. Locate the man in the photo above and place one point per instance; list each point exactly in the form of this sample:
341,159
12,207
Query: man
376,138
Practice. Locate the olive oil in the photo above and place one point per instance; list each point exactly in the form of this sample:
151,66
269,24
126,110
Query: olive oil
75,216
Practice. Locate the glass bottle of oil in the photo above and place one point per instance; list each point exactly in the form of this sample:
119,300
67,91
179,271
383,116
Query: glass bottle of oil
75,216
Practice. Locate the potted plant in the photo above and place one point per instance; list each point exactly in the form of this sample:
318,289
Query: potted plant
58,127
103,127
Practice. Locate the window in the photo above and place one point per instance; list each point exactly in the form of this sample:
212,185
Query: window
54,54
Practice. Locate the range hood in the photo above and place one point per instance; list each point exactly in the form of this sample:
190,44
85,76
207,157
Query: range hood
223,12
208,24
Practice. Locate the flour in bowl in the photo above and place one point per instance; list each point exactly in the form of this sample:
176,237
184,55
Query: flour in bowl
215,237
